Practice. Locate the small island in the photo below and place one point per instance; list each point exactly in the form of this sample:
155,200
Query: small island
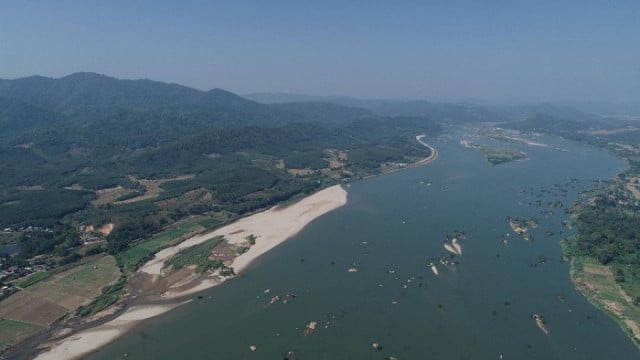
521,226
495,155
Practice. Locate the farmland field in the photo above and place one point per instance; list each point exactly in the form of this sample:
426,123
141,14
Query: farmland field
12,332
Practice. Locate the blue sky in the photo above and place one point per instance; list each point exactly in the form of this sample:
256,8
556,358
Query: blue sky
441,50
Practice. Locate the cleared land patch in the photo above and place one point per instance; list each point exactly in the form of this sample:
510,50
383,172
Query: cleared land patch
152,188
108,196
49,299
633,185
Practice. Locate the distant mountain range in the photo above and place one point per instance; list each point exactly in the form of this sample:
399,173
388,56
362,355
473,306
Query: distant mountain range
437,111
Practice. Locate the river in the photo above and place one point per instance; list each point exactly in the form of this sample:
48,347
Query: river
389,230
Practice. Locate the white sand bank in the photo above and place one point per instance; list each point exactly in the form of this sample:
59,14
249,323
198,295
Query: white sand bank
271,227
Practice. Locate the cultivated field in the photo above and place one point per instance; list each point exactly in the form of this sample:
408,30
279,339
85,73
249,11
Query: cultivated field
36,307
12,332
598,284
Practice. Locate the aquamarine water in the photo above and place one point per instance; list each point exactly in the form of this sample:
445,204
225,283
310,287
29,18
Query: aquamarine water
390,228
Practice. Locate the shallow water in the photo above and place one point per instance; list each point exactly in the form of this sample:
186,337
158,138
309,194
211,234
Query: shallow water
389,230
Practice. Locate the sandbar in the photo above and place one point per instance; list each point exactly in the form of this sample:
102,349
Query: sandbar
271,228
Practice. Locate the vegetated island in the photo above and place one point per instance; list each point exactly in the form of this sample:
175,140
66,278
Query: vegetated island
521,226
495,155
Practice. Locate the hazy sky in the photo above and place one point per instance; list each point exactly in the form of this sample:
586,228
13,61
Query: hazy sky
445,50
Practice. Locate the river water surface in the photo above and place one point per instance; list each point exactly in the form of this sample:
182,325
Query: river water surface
389,230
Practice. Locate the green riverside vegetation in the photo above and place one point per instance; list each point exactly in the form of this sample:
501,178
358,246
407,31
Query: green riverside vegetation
198,256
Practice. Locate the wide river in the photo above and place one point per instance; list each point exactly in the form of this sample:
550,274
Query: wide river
389,230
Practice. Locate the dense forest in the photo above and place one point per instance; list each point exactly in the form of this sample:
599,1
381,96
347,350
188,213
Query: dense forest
65,142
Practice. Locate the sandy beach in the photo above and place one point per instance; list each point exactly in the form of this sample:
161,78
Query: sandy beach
89,340
434,152
271,227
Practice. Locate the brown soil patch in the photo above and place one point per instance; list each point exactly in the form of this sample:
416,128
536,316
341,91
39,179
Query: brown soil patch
634,327
106,229
336,158
598,270
633,186
51,299
300,172
225,252
32,308
109,195
335,164
613,306
152,188
280,164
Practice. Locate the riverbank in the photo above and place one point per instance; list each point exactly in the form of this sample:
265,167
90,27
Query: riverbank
402,166
271,228
597,283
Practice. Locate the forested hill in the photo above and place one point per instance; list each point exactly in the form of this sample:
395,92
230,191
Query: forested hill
88,97
65,143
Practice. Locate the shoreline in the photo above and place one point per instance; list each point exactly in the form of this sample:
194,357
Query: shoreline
616,306
433,156
271,228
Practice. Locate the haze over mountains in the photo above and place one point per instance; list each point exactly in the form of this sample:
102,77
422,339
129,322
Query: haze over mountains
100,96
95,117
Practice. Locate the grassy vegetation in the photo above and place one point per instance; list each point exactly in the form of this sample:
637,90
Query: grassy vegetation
133,257
251,238
209,223
39,276
109,296
72,287
90,274
12,332
197,256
